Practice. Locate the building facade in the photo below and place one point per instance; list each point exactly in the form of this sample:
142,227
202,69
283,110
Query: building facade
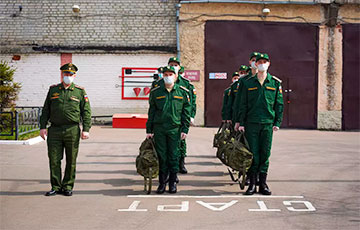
313,46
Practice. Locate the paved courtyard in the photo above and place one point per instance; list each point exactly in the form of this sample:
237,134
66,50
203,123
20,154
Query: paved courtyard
314,176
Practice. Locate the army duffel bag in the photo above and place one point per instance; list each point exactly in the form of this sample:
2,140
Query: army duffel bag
147,163
235,153
223,134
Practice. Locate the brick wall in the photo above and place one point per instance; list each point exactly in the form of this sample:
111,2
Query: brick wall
49,25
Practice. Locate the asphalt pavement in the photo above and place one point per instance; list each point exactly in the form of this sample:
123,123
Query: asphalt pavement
314,176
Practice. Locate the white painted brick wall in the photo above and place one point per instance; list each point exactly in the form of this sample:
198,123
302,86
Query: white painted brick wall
98,73
36,72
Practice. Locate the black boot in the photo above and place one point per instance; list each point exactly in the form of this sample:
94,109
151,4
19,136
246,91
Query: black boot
182,168
252,186
162,183
263,187
172,183
247,180
257,179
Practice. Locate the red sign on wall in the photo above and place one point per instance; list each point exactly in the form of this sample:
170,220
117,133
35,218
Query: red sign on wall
192,75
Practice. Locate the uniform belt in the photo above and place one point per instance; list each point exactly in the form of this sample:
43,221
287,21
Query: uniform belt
64,126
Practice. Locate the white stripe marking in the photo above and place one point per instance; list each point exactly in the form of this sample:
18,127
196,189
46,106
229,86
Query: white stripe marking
220,196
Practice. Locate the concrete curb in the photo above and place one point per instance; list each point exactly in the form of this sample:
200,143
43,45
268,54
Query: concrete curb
31,141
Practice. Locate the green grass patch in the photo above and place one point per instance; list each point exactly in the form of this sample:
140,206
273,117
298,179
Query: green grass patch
22,137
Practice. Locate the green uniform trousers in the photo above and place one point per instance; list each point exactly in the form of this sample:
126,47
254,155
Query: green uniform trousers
259,137
59,138
182,148
167,148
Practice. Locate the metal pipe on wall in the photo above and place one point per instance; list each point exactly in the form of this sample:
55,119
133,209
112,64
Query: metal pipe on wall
178,6
250,2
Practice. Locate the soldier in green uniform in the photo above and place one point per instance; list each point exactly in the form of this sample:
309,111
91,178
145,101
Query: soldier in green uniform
251,71
175,62
168,122
159,77
261,112
66,105
227,92
181,80
230,94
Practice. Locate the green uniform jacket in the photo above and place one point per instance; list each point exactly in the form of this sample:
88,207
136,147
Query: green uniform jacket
66,107
169,109
233,91
225,103
187,84
237,100
261,104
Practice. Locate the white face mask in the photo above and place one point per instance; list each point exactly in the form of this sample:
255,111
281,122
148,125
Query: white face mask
243,75
253,66
177,68
68,79
160,75
263,67
169,80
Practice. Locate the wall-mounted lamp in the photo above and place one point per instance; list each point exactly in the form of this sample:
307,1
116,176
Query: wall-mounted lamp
76,8
266,11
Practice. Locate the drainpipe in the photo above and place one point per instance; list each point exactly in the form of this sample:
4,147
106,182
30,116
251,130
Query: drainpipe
250,2
177,7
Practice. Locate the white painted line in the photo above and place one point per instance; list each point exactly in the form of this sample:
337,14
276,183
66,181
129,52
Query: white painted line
34,140
31,141
220,196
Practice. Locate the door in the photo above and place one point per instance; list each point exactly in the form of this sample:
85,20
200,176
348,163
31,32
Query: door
351,77
228,45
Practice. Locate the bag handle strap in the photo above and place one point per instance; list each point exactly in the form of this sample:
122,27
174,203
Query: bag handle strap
221,127
240,136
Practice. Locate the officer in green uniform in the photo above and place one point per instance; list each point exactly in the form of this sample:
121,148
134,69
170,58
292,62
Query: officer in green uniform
66,105
168,122
227,92
261,112
158,78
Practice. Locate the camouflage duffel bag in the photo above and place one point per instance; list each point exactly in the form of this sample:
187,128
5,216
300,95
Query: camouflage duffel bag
147,163
224,132
235,153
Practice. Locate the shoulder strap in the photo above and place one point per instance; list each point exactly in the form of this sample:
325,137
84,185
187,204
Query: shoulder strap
52,86
185,79
155,88
79,87
182,87
277,79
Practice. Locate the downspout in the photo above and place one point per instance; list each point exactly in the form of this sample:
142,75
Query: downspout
177,7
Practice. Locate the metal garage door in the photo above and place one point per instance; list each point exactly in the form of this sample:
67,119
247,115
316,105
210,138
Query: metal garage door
293,50
351,77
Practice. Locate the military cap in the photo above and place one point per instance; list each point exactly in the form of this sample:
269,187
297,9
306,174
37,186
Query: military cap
69,68
169,69
182,69
243,68
262,56
160,69
174,59
253,54
235,74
